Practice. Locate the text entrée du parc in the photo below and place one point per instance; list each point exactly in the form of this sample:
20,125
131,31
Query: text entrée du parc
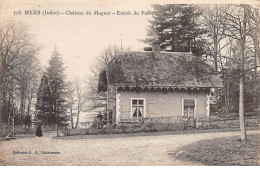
79,13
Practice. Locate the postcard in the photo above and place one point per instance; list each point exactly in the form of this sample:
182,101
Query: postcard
129,83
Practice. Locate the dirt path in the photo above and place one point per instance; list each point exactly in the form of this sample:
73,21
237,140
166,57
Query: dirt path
140,150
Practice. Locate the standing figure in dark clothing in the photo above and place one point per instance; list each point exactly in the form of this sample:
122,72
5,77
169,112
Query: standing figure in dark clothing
39,130
110,117
100,120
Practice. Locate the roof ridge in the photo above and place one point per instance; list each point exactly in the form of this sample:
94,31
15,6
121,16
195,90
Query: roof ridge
176,68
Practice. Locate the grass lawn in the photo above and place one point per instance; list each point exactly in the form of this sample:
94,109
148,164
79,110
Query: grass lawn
224,151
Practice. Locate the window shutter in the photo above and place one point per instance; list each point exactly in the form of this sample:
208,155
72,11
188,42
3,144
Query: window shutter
189,103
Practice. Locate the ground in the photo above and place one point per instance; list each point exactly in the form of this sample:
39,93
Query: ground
223,151
103,150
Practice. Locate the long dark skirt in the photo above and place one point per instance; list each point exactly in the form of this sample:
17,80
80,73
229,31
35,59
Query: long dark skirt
39,131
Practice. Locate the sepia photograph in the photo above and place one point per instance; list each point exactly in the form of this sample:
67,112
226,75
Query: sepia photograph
129,83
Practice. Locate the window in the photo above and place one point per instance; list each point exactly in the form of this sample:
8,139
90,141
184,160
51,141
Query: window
137,108
189,107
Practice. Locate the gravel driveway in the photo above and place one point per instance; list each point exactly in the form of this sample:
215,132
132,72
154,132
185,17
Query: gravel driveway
139,150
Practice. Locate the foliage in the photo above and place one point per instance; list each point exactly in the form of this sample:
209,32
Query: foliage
19,70
102,82
96,88
51,101
115,72
77,90
43,105
178,28
237,68
231,83
229,35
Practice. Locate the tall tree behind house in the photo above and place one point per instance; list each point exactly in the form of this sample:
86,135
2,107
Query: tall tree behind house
56,78
43,104
179,28
52,93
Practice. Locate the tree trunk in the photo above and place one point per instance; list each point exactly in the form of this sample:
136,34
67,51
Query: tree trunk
241,109
254,99
257,56
71,119
215,54
57,130
30,97
1,98
228,94
56,120
77,120
256,45
22,108
241,81
4,116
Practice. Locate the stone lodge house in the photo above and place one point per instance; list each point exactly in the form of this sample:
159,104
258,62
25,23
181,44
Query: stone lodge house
152,84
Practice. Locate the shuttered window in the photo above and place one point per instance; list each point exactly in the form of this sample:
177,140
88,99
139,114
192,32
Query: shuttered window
188,107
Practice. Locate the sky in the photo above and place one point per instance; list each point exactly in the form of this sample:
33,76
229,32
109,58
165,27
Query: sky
80,38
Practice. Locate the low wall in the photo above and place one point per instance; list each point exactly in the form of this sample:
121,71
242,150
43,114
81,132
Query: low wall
165,124
73,132
141,125
5,129
226,123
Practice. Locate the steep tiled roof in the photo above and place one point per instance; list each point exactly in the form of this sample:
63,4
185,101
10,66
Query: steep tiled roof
177,69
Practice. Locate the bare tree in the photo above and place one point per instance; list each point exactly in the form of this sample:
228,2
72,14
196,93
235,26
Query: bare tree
213,17
27,78
254,24
237,28
77,95
71,101
16,48
81,98
98,98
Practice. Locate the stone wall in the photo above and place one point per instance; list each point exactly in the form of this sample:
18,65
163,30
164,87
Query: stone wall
226,123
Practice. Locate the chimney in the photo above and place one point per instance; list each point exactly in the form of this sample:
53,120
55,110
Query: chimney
156,45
